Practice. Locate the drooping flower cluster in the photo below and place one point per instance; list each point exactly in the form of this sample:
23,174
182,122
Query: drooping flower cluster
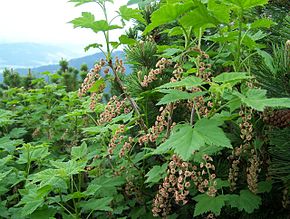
91,77
204,177
204,72
246,126
176,184
152,76
233,174
114,107
116,139
253,171
160,125
285,198
133,191
126,147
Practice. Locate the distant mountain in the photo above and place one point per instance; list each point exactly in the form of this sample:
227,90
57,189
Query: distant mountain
90,60
24,55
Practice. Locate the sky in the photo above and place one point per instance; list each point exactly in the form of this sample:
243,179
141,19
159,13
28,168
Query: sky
46,21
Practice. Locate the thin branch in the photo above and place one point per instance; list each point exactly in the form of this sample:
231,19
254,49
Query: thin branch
132,101
192,116
169,122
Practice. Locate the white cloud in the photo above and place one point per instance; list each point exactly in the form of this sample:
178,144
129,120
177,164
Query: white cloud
46,21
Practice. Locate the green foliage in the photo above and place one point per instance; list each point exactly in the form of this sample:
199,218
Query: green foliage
190,144
187,139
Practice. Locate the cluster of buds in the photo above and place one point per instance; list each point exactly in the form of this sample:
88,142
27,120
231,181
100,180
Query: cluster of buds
126,147
177,73
93,101
114,108
152,76
200,103
91,77
202,54
116,139
119,66
133,191
233,174
285,198
36,132
160,125
205,71
204,177
176,184
252,172
246,126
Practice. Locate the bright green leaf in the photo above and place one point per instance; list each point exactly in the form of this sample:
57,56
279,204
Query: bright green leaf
166,14
177,95
126,40
246,201
231,76
97,86
79,152
207,203
156,174
102,204
130,13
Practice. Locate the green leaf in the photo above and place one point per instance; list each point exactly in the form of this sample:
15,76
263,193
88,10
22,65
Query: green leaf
79,152
212,134
191,81
170,52
247,4
69,168
220,10
88,21
264,186
33,198
246,201
207,203
126,40
97,86
92,189
102,204
231,76
268,60
175,31
9,145
130,13
186,139
95,130
166,14
202,18
263,22
50,177
156,174
93,45
176,95
256,98
17,132
4,175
